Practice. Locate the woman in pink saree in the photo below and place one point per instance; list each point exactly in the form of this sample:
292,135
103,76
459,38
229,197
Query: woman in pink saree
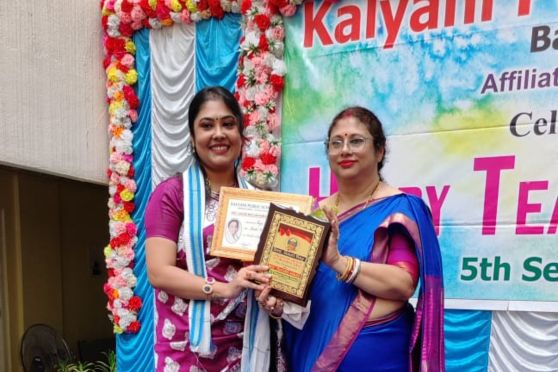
201,304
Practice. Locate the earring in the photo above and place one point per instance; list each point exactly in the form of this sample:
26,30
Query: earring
190,149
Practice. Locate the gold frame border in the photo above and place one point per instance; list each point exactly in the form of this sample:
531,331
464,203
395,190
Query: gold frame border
317,232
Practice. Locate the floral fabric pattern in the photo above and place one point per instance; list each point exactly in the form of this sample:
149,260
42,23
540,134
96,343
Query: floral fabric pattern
227,316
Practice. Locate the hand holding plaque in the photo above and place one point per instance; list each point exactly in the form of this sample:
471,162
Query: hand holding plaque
291,245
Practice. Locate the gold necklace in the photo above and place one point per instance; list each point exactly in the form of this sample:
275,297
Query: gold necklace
336,211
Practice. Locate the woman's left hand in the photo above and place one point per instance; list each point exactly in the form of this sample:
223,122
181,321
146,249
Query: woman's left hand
331,256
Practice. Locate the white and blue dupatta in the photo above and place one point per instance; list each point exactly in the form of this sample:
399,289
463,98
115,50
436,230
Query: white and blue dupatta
256,341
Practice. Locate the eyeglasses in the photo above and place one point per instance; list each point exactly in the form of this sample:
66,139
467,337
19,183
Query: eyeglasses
335,145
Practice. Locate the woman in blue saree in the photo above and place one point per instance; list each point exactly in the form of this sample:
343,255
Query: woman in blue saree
382,244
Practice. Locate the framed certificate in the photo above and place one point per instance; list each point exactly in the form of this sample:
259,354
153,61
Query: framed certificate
291,245
241,217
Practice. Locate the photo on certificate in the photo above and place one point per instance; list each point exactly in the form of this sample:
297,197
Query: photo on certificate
241,217
291,245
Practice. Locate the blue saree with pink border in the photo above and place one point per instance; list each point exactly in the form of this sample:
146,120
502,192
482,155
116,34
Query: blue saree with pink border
336,335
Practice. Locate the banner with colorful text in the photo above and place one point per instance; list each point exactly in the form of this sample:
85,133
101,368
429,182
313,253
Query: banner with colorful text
468,95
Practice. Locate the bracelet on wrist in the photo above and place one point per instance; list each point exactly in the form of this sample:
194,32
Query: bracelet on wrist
348,269
355,272
207,288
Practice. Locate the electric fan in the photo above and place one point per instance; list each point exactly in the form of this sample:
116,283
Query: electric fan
42,349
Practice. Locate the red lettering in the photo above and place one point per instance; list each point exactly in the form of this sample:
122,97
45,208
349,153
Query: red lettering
352,23
424,16
469,11
430,12
487,7
449,18
524,7
393,23
524,207
312,24
493,167
371,20
285,271
486,15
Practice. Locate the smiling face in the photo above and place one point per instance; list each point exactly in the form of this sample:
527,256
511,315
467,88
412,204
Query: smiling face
350,158
216,136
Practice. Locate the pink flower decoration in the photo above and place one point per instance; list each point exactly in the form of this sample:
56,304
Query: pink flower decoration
264,146
127,254
275,151
262,98
254,118
278,33
273,121
259,166
119,228
272,168
118,27
109,4
128,60
131,229
114,178
270,92
133,115
129,184
137,14
288,10
185,16
125,18
261,75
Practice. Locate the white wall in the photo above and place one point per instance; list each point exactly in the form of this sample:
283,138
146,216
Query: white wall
52,100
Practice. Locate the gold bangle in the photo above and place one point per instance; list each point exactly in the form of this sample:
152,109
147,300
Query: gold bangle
348,269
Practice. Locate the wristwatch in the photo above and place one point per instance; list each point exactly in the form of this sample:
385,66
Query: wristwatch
207,287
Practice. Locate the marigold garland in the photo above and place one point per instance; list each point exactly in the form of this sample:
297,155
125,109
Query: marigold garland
260,82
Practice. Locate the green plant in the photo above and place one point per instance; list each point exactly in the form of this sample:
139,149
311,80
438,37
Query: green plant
83,367
75,367
109,365
98,366
64,366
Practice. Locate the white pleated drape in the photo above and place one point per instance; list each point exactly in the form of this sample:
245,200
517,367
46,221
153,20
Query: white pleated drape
523,341
172,88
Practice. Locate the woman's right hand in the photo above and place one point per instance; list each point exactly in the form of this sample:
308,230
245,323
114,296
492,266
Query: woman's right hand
271,304
250,277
